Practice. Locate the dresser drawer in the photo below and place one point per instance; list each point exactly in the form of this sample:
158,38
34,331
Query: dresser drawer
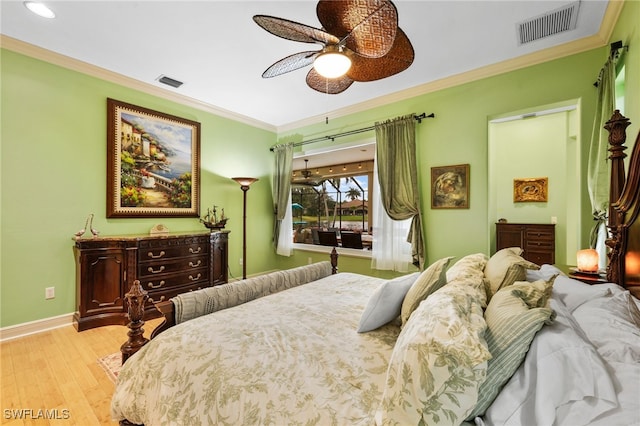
164,266
163,249
177,279
545,245
162,295
540,257
540,234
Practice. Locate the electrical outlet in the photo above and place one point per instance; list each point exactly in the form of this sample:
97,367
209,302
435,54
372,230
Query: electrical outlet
309,260
49,292
240,262
554,220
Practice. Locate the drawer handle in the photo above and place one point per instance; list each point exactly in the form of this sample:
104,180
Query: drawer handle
151,255
152,285
192,251
196,278
195,265
150,269
153,301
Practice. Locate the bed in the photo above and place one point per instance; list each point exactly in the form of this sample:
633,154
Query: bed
475,340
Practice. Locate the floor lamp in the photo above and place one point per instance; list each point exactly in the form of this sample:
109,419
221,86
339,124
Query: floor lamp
245,183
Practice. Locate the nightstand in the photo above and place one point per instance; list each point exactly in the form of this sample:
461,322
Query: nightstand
570,271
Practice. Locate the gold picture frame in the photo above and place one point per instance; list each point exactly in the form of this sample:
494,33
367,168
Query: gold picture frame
530,190
153,163
450,187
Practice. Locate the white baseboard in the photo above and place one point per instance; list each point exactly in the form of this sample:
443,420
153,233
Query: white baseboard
33,327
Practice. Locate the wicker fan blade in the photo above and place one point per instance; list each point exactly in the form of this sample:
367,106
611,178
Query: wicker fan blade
290,63
368,27
331,86
399,58
294,30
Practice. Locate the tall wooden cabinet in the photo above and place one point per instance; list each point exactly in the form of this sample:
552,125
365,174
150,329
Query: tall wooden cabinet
538,240
166,266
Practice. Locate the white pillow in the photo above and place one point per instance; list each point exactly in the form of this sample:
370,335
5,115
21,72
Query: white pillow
385,303
562,380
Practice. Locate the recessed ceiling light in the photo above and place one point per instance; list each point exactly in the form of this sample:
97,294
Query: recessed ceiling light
40,9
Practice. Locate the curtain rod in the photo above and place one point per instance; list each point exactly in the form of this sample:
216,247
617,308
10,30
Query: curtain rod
353,132
615,46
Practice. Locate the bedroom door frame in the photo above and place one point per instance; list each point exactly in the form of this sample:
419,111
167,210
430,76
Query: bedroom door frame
569,223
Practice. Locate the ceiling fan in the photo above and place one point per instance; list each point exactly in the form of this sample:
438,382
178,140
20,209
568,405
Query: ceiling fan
362,34
306,175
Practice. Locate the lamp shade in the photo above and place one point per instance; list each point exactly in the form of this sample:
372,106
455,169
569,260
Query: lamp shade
245,181
588,260
332,64
632,263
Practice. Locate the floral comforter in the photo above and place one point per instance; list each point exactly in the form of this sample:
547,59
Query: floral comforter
288,358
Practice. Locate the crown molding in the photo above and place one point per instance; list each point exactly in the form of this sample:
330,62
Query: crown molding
54,58
599,39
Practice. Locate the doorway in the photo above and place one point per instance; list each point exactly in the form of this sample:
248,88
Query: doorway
539,143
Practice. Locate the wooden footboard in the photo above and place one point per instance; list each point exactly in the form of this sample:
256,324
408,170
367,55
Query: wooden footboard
136,301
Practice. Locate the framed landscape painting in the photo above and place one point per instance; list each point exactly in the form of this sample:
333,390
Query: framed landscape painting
450,187
153,163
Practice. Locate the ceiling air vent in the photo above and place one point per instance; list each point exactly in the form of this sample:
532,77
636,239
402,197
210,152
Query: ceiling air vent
169,81
548,24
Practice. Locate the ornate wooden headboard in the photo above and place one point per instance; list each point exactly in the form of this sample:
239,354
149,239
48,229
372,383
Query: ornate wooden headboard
624,207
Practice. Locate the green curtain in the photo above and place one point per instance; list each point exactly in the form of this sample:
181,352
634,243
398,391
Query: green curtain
398,177
598,174
281,187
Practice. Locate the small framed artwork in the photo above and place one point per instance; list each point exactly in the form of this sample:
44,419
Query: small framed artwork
450,187
153,163
530,190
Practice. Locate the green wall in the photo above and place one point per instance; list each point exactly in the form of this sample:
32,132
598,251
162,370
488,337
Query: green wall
459,133
53,164
54,175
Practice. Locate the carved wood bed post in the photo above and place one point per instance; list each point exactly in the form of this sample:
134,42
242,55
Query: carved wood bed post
616,126
135,299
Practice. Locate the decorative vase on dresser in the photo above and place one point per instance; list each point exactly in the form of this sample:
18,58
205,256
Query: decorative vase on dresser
538,240
166,266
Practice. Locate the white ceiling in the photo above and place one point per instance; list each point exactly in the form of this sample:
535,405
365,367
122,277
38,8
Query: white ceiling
219,53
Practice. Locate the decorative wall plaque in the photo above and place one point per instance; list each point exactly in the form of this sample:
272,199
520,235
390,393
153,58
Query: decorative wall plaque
532,189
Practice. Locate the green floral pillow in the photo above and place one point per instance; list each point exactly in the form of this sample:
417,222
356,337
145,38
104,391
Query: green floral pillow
469,270
429,281
438,362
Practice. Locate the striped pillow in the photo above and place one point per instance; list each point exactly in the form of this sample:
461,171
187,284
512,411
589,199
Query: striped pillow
430,280
514,315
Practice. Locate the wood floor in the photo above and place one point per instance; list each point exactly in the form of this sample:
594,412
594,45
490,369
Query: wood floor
57,371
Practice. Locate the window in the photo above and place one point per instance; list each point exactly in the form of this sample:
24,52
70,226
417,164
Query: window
333,197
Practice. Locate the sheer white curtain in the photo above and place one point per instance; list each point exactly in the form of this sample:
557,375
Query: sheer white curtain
390,250
281,190
285,236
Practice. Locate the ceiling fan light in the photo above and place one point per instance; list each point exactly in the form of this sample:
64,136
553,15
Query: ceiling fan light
332,64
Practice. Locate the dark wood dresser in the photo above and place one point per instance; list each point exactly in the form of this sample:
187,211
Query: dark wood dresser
166,266
538,240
